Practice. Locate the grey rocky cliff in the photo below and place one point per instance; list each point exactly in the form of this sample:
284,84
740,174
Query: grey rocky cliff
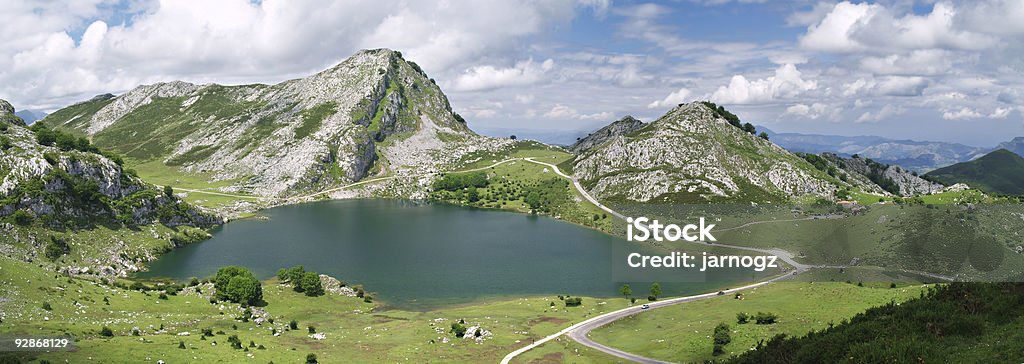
694,155
874,176
374,114
623,126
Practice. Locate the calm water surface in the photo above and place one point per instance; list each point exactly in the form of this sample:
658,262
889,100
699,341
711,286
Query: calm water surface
418,256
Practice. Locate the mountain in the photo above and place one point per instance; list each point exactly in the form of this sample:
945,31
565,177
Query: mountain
624,126
917,156
1001,171
65,182
890,178
373,114
693,154
1016,145
31,116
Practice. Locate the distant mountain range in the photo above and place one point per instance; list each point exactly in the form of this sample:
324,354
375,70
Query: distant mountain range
918,156
30,116
1001,171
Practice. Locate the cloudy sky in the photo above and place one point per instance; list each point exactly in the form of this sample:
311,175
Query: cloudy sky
950,71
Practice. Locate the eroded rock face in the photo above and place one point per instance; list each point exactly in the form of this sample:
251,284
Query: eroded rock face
76,185
623,126
883,178
373,114
692,154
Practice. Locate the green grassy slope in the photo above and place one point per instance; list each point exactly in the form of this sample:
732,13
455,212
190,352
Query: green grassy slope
956,323
1001,171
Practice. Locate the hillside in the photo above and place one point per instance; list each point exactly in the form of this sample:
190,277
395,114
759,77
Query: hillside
917,156
1001,171
693,154
373,114
955,323
889,178
623,126
60,195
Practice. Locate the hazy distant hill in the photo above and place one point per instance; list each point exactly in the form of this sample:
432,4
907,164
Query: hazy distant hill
918,156
1001,171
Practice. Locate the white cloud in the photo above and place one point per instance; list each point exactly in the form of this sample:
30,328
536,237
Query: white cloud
786,83
874,27
560,111
238,41
489,77
676,97
917,62
886,86
886,112
1000,113
812,111
524,98
963,113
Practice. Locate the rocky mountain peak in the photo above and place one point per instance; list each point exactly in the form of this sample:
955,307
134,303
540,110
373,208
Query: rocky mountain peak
375,113
6,107
623,126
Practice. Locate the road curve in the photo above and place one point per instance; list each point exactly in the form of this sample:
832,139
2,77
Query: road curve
579,188
578,332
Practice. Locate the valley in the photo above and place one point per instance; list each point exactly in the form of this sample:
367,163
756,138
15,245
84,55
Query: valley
437,243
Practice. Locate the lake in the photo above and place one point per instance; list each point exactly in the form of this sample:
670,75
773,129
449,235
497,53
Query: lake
418,255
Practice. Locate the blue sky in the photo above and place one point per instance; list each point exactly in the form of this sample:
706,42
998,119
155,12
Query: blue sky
925,70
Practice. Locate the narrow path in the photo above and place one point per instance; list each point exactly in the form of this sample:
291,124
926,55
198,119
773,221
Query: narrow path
579,188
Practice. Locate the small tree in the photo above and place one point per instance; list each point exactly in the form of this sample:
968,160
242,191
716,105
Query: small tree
512,137
311,359
748,127
311,284
294,325
721,336
763,135
106,331
655,290
626,290
169,191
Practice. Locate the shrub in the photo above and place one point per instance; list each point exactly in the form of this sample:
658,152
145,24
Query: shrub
46,306
238,285
311,359
459,329
22,217
765,318
294,325
573,301
106,331
181,344
311,284
721,336
742,318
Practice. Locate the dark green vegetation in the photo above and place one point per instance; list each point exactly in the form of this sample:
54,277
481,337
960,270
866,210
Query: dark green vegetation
238,285
999,172
476,189
958,322
301,280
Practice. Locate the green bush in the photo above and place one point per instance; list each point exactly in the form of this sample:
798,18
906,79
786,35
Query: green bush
458,329
238,284
573,301
311,284
56,248
765,318
742,318
106,331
